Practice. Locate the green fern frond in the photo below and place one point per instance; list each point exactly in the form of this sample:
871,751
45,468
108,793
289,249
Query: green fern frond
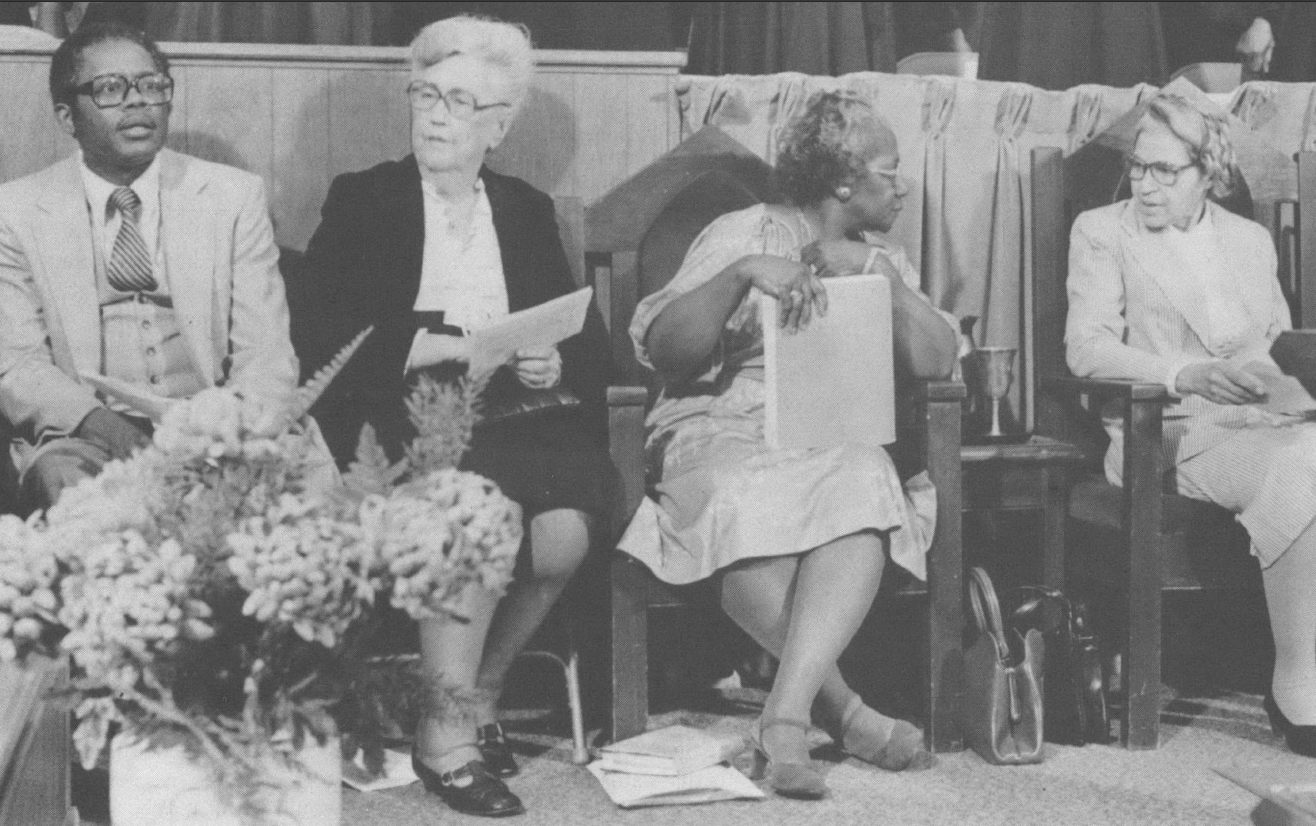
444,416
370,472
309,393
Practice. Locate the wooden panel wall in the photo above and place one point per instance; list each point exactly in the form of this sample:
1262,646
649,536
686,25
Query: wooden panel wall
299,115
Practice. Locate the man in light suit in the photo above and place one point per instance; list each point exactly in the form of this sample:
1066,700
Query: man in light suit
131,261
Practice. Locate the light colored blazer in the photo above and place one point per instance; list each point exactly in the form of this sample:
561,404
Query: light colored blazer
1131,317
222,265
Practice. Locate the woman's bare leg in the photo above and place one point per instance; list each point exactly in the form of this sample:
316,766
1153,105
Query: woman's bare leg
559,541
805,609
450,657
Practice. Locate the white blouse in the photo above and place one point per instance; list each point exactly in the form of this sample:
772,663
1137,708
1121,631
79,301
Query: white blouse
461,271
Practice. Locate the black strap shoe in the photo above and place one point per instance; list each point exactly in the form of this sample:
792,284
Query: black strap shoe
485,795
495,752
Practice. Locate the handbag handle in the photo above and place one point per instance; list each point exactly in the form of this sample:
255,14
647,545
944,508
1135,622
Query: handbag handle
987,610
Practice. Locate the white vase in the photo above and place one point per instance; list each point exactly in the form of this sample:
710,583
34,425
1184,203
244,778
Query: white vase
169,787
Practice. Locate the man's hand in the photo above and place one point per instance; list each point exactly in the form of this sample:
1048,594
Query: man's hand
119,437
1221,382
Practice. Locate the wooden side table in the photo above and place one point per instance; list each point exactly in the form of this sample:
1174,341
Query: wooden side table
1033,475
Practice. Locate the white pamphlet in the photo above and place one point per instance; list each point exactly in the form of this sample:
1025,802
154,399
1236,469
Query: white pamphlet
707,785
834,381
540,326
397,772
143,401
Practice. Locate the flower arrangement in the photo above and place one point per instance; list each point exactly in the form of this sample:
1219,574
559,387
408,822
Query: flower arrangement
221,584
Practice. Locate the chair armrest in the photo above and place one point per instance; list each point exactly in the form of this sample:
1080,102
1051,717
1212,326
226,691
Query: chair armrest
939,391
626,406
1139,391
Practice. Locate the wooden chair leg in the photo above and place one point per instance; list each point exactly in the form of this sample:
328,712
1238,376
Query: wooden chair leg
1141,642
945,572
630,655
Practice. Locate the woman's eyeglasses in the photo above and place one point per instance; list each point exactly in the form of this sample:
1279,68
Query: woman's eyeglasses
1163,173
461,103
109,91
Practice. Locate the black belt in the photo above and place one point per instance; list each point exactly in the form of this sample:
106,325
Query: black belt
431,321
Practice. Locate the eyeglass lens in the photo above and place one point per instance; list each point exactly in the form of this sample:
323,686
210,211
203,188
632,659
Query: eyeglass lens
112,90
425,96
1163,174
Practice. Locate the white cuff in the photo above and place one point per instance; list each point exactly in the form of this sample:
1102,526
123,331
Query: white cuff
1172,377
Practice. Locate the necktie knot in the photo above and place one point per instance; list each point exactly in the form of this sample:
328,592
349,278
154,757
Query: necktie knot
127,203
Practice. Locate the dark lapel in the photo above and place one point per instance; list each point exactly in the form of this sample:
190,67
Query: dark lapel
517,240
401,219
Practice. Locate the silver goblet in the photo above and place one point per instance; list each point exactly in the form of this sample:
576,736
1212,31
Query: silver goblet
989,371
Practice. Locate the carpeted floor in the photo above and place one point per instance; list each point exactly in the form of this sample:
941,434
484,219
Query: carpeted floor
1088,785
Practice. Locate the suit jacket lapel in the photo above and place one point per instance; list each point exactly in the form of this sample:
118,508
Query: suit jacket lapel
510,228
402,215
186,230
1164,269
67,258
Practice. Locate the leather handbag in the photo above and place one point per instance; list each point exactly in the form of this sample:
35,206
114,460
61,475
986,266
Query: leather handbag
1075,702
1002,683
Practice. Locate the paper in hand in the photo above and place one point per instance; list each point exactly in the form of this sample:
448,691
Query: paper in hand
540,326
1284,394
143,401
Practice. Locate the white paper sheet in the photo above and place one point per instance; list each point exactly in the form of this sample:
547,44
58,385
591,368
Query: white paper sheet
540,326
397,772
1284,394
143,401
707,785
834,381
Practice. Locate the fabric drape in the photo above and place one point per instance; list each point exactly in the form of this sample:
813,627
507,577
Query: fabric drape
814,38
359,23
1061,45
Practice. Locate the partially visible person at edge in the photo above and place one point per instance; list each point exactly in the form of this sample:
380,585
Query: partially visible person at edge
129,260
1170,287
795,540
427,249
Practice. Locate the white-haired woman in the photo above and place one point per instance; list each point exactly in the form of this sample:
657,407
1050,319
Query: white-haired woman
1170,287
438,244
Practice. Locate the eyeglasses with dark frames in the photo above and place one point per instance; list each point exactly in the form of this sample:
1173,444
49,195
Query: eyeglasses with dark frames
1163,173
108,91
461,103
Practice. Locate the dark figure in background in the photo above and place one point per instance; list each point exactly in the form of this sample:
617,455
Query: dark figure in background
1276,41
439,233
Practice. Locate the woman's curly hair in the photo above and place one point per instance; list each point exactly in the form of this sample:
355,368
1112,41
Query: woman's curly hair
830,144
1205,136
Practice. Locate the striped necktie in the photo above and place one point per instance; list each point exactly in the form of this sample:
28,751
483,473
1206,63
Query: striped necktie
129,270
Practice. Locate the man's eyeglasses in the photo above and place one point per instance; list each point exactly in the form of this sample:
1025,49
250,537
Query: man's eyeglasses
108,91
461,103
1163,173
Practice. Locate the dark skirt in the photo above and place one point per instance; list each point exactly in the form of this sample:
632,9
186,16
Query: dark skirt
544,461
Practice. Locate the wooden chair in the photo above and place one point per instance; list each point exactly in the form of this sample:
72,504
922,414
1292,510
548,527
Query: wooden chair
1140,539
932,428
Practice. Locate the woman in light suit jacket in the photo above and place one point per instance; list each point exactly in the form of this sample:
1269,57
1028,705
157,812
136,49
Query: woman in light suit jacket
1170,287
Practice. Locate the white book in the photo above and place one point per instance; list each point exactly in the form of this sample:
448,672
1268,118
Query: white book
671,751
834,381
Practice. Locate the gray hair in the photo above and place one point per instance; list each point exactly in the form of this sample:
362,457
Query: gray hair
1205,136
504,47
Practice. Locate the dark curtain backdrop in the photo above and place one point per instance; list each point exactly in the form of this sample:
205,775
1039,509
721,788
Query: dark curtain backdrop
1049,45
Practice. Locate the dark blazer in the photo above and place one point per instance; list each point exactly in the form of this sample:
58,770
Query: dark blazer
362,267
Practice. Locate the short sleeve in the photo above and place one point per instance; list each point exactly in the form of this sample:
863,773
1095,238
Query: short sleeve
900,261
753,231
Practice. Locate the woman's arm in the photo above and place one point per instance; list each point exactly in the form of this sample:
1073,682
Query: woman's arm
687,330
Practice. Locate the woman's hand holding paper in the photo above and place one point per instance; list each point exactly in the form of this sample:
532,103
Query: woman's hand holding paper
538,368
799,292
1222,382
